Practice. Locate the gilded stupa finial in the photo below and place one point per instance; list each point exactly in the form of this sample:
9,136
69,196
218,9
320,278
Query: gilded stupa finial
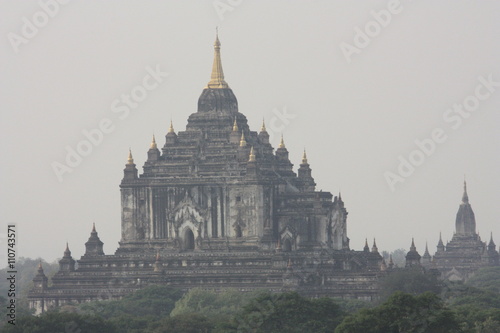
282,142
217,77
130,159
153,143
243,142
171,128
263,127
252,155
304,157
235,125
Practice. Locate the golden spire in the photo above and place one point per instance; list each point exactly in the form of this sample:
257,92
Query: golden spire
252,155
153,143
243,142
282,143
263,128
171,128
235,126
217,77
130,158
304,157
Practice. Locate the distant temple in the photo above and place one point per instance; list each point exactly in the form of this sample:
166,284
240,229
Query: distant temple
219,207
464,254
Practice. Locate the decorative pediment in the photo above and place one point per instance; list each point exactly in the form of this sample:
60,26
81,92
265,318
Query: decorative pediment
288,232
454,275
188,210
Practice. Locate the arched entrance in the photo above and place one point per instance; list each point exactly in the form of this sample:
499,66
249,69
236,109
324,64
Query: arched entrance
287,245
188,239
238,231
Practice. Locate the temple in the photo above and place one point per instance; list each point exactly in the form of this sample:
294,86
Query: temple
466,252
461,257
216,207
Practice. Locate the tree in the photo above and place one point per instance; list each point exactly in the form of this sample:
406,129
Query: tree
403,312
185,323
152,301
409,280
398,257
219,306
486,278
61,322
288,312
477,308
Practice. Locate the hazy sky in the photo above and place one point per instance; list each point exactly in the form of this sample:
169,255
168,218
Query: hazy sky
356,83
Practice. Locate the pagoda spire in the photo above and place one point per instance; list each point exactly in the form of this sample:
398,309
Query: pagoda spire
465,197
171,128
130,159
94,245
217,77
412,246
440,243
234,136
304,157
252,155
282,142
243,142
491,243
67,252
426,250
465,223
263,135
412,257
153,143
235,126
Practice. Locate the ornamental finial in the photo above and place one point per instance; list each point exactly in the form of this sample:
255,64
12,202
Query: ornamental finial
243,142
217,77
130,159
252,155
282,142
153,143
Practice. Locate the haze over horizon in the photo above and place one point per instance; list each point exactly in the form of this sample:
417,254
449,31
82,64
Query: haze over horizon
424,87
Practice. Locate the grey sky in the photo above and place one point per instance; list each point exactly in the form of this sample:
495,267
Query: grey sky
354,118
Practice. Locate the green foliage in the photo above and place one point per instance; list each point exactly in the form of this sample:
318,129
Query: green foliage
134,312
474,319
478,309
152,301
353,305
26,271
486,278
220,306
412,281
398,257
402,312
61,322
185,323
288,312
473,307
